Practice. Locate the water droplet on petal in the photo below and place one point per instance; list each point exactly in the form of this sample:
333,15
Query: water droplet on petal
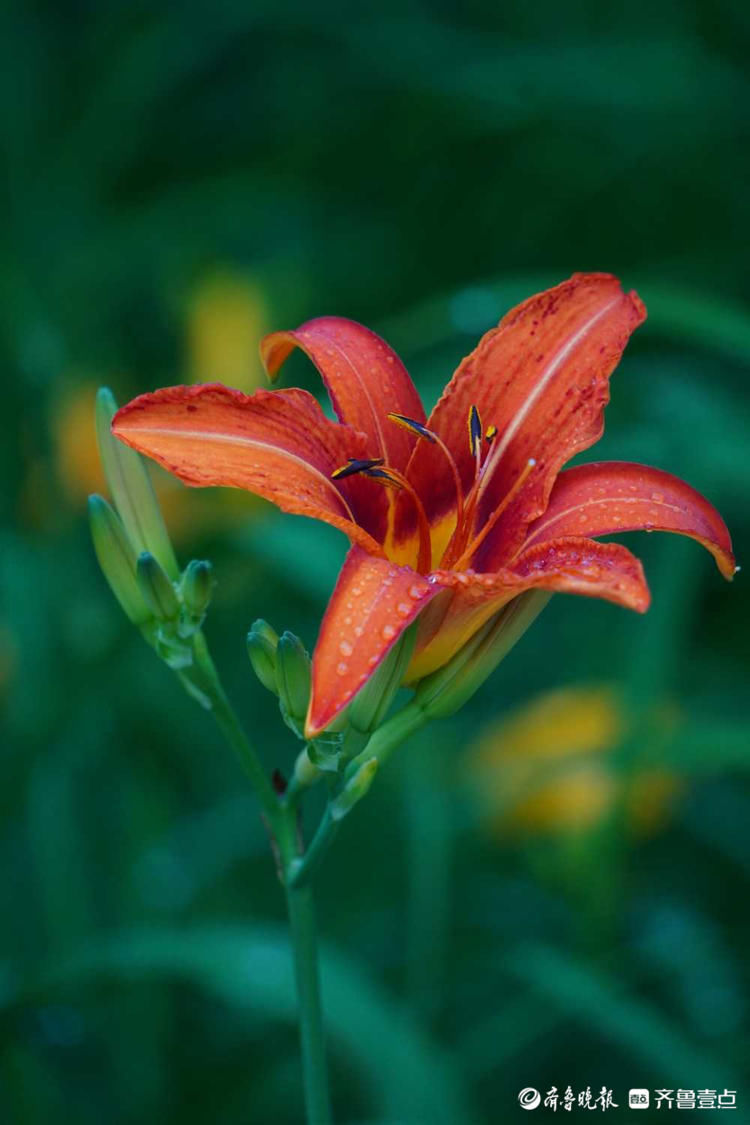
372,661
415,592
342,668
388,632
345,648
403,609
358,630
356,591
657,497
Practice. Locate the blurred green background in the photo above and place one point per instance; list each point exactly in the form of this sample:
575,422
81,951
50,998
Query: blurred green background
551,889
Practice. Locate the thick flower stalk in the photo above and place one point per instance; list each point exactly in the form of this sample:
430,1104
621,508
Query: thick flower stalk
450,517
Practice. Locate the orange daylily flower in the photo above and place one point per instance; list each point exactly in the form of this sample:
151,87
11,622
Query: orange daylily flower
474,510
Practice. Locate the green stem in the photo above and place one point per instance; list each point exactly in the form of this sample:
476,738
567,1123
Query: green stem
389,737
305,948
201,680
230,727
205,678
302,869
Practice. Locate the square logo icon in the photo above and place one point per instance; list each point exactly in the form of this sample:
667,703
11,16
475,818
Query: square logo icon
638,1099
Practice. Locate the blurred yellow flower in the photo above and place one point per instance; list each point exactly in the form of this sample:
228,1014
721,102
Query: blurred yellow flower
76,454
546,768
227,316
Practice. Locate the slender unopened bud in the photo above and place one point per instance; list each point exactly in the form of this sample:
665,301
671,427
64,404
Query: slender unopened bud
116,558
262,642
131,489
293,680
445,691
370,706
355,789
197,587
158,592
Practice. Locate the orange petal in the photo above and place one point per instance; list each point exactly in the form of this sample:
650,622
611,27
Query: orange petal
363,376
541,377
611,496
572,566
372,604
277,444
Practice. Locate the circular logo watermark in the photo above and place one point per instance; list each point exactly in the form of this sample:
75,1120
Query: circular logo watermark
529,1098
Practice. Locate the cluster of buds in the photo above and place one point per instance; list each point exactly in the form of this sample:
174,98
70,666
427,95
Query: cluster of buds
283,666
137,558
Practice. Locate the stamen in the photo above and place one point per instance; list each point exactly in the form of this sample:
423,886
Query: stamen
490,434
354,466
435,439
457,541
480,538
376,470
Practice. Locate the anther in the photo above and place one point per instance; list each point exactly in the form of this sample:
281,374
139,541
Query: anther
475,432
490,434
413,426
356,466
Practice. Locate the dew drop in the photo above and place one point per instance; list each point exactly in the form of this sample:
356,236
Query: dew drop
345,648
657,497
347,620
356,591
403,609
358,630
342,668
388,632
415,592
372,661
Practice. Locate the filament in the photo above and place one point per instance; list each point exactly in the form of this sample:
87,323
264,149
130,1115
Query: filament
375,469
480,538
435,439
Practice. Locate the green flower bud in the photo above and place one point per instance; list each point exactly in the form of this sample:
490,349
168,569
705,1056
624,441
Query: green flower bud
131,488
445,691
197,587
354,790
370,705
116,558
158,592
262,642
293,681
305,772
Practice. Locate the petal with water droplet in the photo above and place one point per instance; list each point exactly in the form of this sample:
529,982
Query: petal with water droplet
609,496
389,599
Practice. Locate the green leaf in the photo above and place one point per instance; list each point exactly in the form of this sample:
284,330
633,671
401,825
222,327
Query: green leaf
597,999
409,1078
